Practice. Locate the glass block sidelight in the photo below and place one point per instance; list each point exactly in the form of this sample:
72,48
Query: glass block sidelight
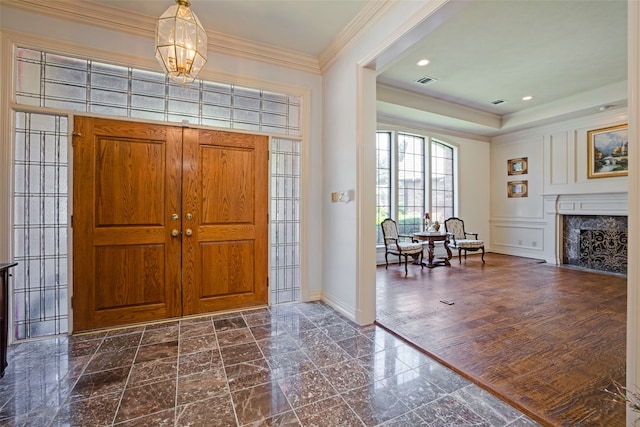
285,221
48,80
40,301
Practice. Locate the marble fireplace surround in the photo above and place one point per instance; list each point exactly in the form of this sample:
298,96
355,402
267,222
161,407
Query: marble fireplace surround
592,231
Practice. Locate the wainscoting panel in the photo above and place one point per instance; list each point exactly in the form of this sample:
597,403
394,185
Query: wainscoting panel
520,238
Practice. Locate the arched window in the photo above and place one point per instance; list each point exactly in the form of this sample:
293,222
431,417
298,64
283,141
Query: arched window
414,174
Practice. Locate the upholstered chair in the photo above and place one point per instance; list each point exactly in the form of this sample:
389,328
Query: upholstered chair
395,246
461,240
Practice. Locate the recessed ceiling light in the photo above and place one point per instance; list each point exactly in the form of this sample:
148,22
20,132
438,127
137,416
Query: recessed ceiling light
422,62
527,98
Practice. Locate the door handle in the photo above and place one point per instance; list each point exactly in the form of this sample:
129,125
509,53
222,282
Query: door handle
175,233
188,232
189,217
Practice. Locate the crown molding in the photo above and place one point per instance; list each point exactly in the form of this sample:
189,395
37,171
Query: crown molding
93,14
368,15
400,123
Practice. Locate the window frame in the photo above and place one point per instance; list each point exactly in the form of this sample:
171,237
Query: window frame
429,142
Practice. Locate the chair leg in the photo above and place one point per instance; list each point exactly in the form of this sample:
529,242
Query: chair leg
386,260
483,254
406,260
459,256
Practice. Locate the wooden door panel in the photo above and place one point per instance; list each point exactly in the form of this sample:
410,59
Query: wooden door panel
129,197
119,266
227,269
225,180
126,264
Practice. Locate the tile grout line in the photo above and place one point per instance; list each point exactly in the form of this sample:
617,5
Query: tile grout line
224,369
177,378
124,389
66,400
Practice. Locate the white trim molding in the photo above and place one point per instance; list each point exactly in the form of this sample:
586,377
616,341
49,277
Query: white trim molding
633,275
615,204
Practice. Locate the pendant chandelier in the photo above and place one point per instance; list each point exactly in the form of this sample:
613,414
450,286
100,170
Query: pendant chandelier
181,42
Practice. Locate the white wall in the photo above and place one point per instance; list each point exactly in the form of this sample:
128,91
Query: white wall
72,38
474,189
633,278
557,165
340,173
348,281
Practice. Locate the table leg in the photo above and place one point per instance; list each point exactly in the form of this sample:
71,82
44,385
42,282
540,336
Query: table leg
432,247
446,246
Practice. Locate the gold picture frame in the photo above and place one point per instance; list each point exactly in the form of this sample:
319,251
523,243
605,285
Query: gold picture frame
518,189
518,166
608,152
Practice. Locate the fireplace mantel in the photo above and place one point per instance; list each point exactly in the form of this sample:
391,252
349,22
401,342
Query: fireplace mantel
592,211
615,204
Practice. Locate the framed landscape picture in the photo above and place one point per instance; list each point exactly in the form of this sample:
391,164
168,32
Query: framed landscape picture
517,166
607,151
517,189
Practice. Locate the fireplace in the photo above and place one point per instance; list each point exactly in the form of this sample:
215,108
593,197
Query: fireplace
595,242
591,230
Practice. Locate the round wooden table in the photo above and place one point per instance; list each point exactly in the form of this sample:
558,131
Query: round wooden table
431,239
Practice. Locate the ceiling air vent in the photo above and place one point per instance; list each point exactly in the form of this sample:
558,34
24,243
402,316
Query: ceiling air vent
426,80
498,101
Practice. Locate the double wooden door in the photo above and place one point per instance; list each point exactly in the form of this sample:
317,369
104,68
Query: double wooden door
167,221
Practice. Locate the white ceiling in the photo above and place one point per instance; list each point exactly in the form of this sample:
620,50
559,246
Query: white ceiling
305,26
561,52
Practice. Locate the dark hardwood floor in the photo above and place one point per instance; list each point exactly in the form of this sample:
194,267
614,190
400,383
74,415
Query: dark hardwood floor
546,339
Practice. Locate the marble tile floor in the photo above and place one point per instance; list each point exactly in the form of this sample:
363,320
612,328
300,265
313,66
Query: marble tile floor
296,364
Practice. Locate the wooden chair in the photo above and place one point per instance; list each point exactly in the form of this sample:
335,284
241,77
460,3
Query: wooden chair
394,246
459,238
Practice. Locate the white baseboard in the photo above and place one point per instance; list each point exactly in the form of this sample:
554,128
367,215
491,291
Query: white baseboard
340,307
313,296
